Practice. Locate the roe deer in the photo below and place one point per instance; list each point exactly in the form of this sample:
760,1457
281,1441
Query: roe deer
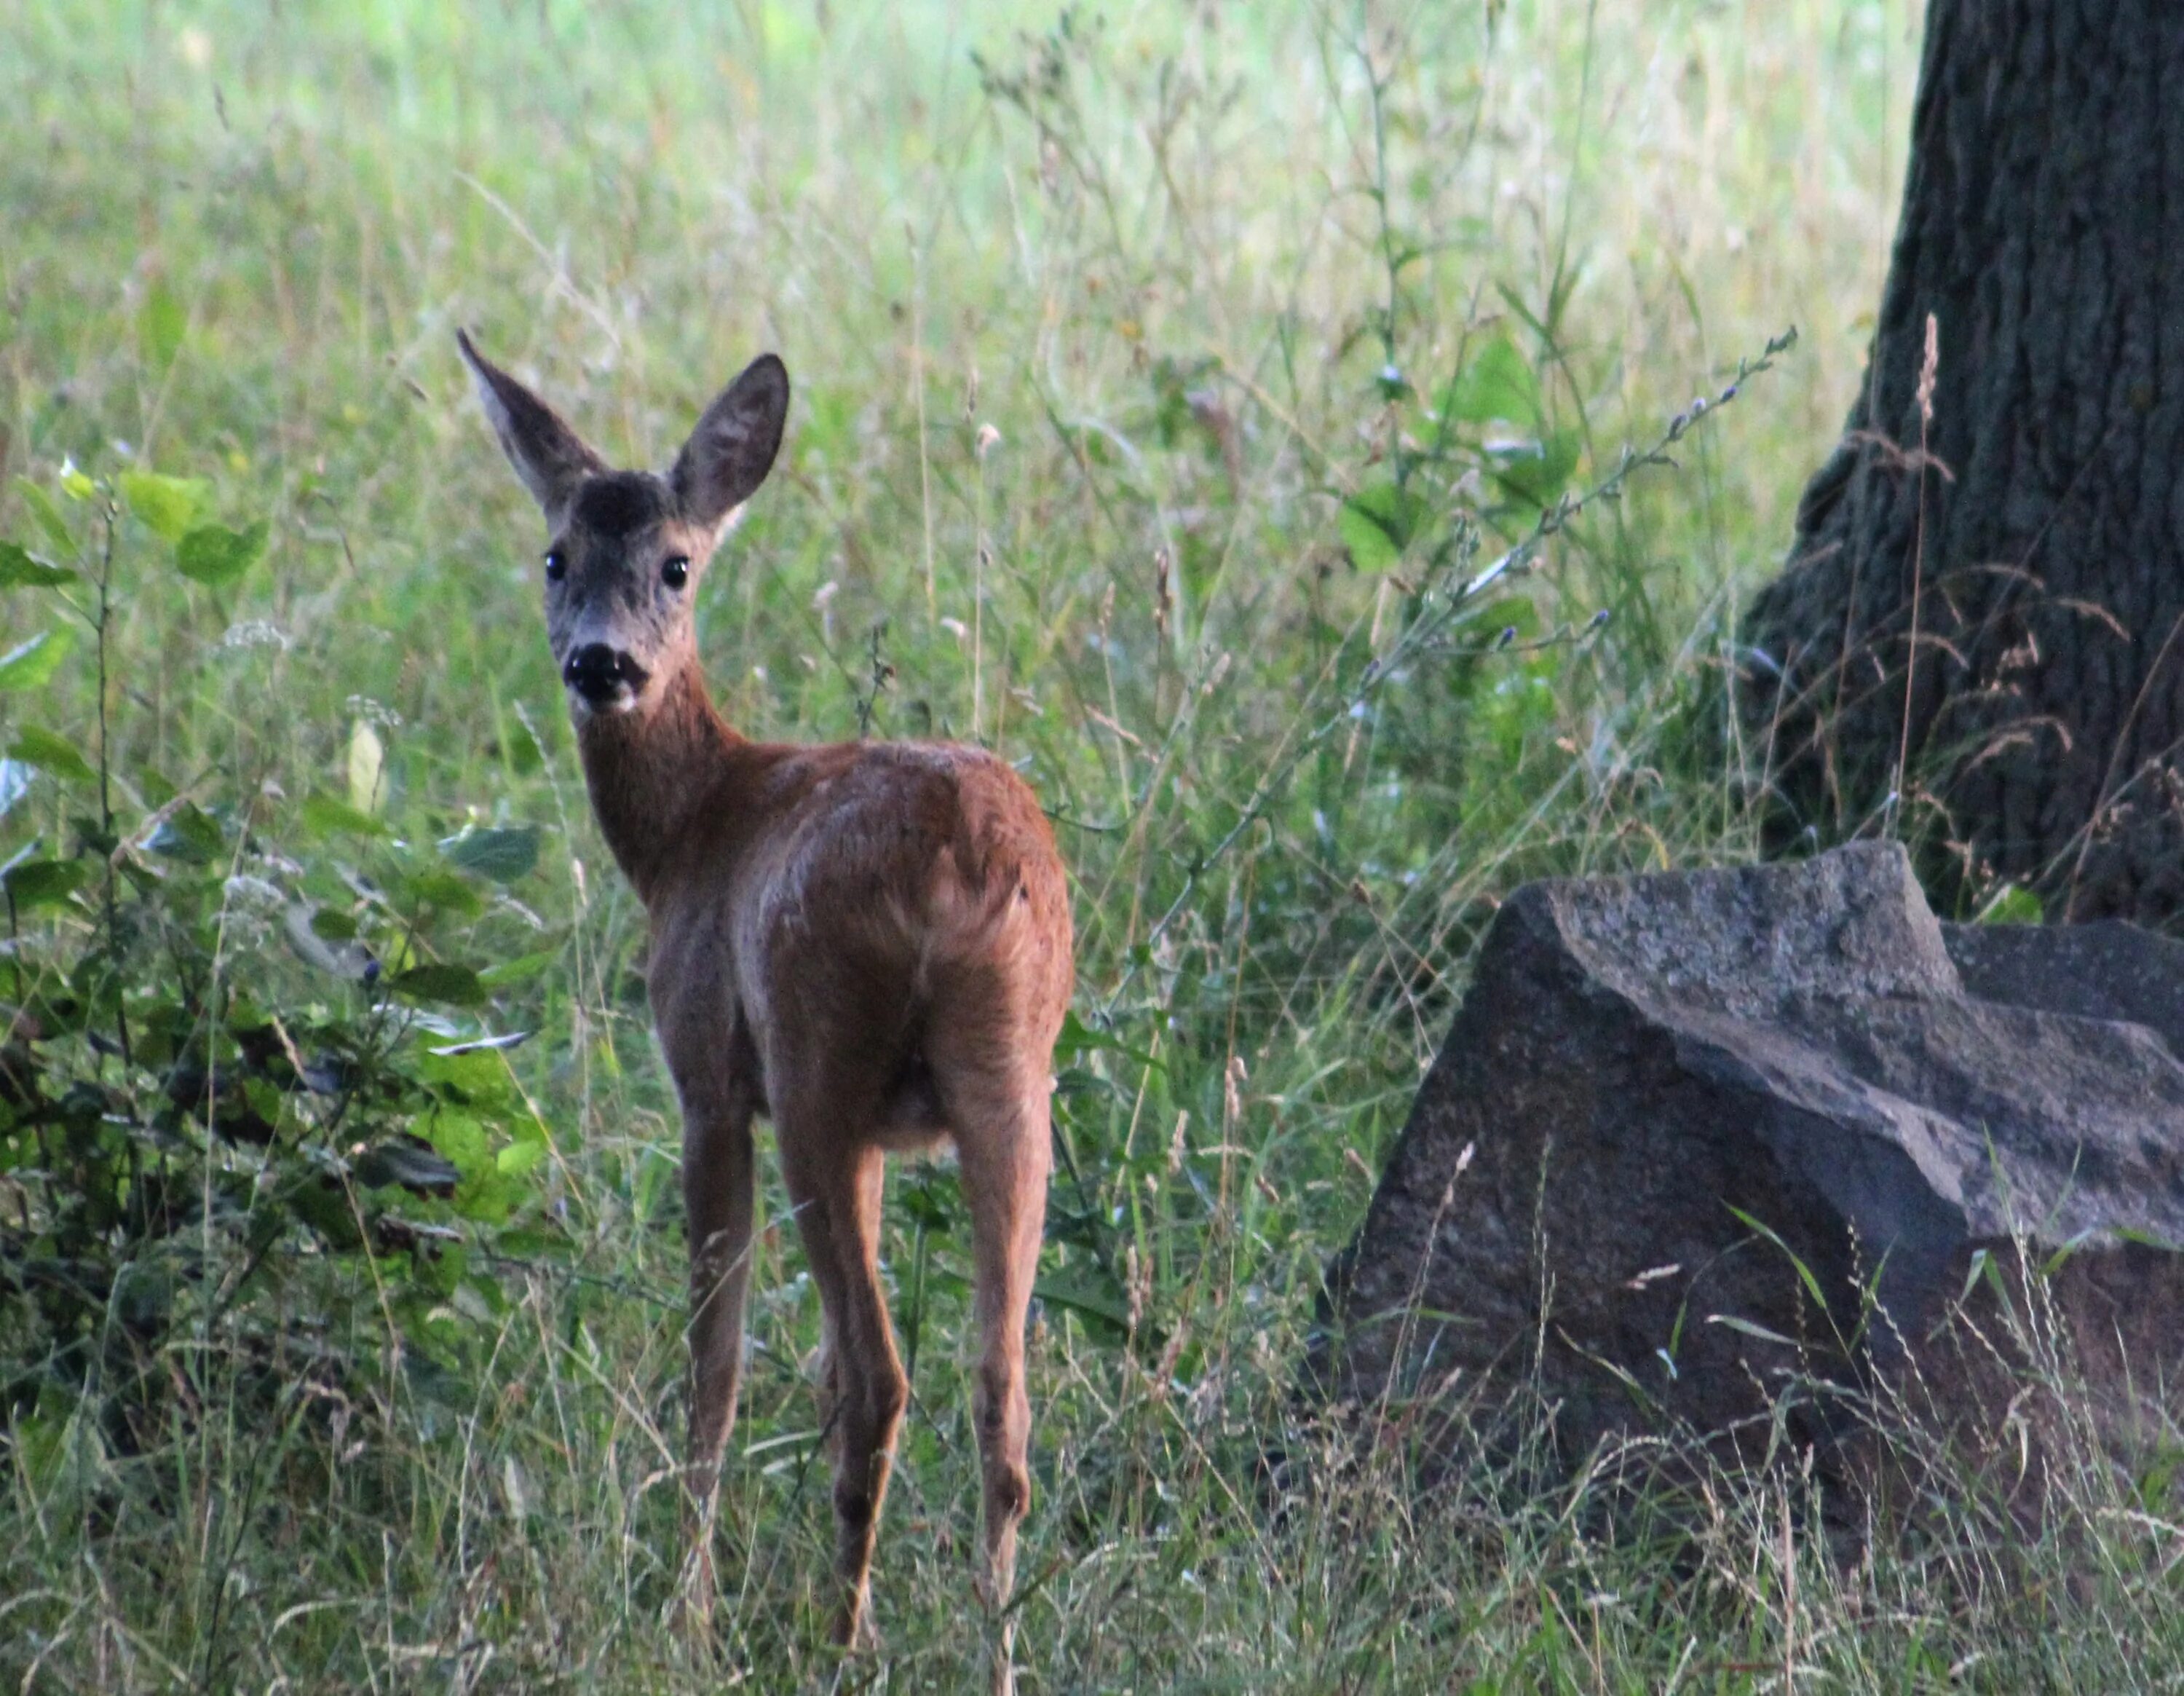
869,943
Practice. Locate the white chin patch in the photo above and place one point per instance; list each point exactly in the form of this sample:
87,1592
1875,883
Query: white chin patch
623,700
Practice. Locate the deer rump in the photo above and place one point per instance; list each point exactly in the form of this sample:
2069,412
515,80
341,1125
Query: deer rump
903,901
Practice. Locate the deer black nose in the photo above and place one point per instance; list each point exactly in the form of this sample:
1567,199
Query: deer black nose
598,672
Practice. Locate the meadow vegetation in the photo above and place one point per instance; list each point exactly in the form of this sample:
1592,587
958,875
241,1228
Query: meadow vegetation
1166,379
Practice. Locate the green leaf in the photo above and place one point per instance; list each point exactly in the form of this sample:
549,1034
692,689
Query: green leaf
489,1198
521,749
480,1044
1376,525
46,510
161,323
187,836
1536,472
20,569
462,1140
330,817
53,753
411,1161
216,557
433,1382
1514,612
1497,384
167,505
74,484
2055,1261
520,970
1978,1264
519,1158
1750,1328
1076,1034
2013,906
933,1205
367,768
477,1078
43,882
1090,1291
326,1209
28,664
444,982
338,956
503,855
442,891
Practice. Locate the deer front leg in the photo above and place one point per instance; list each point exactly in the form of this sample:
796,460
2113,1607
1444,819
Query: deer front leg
719,1181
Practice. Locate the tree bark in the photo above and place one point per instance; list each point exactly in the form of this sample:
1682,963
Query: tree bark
2020,552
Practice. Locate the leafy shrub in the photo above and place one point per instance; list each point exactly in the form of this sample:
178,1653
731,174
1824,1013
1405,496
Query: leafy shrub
249,1081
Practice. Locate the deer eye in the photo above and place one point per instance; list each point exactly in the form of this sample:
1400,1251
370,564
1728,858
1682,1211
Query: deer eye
557,564
675,571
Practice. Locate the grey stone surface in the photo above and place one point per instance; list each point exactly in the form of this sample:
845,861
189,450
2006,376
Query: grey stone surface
1659,1090
2108,970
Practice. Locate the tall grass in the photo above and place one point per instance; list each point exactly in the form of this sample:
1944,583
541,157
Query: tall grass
1133,438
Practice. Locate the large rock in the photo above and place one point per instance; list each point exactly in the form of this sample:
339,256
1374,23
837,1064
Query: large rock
1701,1142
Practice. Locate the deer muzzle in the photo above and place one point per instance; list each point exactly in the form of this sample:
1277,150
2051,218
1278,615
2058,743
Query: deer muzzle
604,676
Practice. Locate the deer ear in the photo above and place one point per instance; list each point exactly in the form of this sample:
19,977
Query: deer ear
730,452
549,456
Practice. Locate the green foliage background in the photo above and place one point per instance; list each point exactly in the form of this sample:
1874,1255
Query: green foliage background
1165,378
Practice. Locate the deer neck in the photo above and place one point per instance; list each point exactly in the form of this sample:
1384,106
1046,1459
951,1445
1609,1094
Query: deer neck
651,772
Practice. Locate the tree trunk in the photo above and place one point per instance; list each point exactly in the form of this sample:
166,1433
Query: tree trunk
2026,542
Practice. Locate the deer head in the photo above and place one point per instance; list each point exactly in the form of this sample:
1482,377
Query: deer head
624,549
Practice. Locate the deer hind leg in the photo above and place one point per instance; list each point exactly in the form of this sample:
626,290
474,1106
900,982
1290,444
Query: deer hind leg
1000,1117
837,1195
718,1186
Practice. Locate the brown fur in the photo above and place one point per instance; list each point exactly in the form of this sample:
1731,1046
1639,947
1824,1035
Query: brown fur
867,943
